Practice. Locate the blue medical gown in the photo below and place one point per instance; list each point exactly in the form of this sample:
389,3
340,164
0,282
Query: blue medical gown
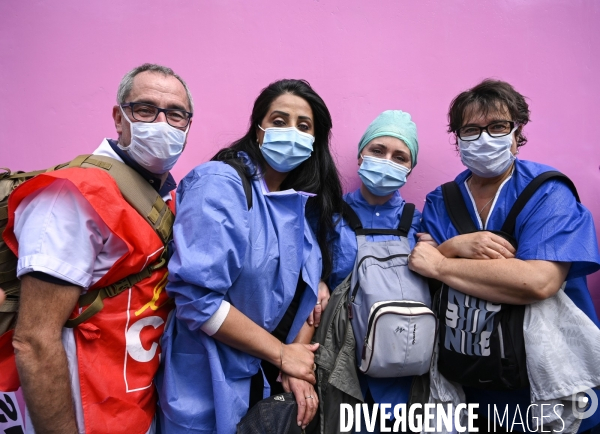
553,226
252,259
386,216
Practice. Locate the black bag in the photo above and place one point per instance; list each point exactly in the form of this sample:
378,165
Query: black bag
482,343
275,415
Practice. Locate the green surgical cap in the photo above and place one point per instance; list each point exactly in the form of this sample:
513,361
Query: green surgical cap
393,123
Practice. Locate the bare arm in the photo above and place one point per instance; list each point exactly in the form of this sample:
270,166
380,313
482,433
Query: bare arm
510,281
322,300
296,360
40,355
306,396
2,296
240,332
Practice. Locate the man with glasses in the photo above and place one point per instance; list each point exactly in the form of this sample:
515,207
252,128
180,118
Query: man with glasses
76,232
484,274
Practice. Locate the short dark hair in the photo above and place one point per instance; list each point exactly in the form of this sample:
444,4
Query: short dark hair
489,96
318,174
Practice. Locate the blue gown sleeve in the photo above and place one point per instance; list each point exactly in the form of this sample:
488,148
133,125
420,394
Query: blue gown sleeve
415,227
553,226
432,221
211,234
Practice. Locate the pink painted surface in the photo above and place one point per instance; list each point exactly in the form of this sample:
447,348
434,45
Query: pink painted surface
61,63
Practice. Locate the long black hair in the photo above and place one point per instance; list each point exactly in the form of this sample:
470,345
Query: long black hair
317,174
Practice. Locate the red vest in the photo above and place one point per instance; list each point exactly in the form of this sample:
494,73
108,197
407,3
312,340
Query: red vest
118,349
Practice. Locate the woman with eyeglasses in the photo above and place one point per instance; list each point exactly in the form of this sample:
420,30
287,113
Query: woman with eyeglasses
245,274
387,154
554,235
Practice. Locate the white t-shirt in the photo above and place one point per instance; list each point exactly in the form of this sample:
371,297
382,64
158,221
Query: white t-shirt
60,234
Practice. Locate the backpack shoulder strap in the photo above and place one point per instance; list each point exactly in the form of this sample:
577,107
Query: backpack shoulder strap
94,299
136,191
351,217
406,219
143,198
510,222
403,228
134,188
245,182
457,209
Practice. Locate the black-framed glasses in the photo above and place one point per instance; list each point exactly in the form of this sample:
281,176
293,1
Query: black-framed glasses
469,133
143,112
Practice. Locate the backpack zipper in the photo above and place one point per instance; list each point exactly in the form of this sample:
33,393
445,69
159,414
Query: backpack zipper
387,258
393,304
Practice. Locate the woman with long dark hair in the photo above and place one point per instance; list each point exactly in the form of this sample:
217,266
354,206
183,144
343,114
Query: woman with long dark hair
247,266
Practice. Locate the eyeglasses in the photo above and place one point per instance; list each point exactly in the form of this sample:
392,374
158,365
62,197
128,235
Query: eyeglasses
495,129
143,112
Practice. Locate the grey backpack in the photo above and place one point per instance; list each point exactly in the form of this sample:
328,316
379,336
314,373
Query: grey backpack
389,305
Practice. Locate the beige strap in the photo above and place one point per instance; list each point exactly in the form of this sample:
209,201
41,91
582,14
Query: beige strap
12,287
137,192
94,298
134,188
9,306
7,276
21,175
6,255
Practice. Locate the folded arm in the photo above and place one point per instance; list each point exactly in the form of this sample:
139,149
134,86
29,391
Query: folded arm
512,281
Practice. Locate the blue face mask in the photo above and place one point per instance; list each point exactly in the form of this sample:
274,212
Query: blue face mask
381,176
285,149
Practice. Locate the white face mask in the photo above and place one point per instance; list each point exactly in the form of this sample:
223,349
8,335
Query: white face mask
487,156
155,146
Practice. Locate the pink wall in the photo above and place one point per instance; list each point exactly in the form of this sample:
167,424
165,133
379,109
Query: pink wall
61,62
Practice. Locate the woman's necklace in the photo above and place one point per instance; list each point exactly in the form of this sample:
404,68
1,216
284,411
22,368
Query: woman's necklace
484,206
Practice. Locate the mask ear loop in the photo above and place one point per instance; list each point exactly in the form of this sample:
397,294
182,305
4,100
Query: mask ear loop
259,144
126,148
517,126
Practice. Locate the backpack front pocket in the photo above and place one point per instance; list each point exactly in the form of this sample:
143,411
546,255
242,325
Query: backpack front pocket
399,339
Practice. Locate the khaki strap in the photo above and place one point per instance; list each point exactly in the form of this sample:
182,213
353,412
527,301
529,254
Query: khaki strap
12,287
10,305
137,192
77,161
21,175
7,276
6,255
94,298
134,188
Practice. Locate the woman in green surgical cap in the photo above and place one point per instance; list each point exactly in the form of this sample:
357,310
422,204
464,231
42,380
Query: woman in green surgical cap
387,153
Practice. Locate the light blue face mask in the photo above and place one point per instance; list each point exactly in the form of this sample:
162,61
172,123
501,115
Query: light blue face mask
381,176
285,149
